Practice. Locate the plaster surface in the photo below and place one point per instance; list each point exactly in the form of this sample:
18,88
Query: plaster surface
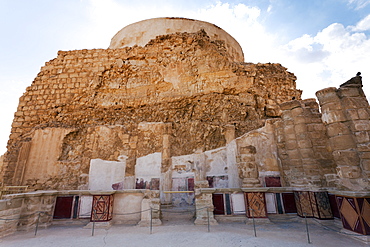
140,33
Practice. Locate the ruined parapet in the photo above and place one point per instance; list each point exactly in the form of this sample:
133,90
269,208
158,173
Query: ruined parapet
345,113
302,145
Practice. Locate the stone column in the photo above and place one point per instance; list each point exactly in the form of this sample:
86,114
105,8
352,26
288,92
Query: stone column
166,171
204,208
345,112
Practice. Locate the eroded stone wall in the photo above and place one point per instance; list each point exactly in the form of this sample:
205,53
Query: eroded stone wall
346,116
303,146
101,97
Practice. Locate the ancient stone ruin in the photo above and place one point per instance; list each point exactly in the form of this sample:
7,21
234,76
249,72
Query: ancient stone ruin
171,106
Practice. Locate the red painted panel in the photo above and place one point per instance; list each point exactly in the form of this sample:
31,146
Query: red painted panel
190,184
272,182
63,207
218,203
289,203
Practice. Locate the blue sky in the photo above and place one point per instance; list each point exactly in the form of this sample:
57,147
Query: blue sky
323,42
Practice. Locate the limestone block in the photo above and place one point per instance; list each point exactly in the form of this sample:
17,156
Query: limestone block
307,153
273,111
291,137
337,128
349,91
355,103
349,171
327,95
331,106
364,155
346,158
363,113
332,116
362,136
289,130
360,125
365,164
294,154
352,114
306,143
300,119
290,145
300,128
342,142
314,127
290,105
363,147
317,135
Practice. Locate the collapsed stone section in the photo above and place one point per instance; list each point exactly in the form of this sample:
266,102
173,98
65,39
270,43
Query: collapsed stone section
96,99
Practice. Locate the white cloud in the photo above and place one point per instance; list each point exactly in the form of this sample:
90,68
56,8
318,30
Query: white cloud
331,57
363,25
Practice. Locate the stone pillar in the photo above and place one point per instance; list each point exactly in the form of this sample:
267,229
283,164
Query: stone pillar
166,171
248,170
345,112
229,133
150,209
204,208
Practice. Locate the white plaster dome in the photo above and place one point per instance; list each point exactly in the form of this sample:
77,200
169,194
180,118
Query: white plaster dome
140,33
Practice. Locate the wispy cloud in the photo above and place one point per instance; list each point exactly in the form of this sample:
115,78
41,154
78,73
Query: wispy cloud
358,4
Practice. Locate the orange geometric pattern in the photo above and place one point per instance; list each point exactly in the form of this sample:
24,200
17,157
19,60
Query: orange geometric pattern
102,208
355,213
256,204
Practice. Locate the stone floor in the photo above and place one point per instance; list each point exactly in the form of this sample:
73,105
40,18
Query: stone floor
279,231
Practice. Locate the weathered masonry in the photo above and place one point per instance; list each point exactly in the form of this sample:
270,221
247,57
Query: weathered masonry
172,106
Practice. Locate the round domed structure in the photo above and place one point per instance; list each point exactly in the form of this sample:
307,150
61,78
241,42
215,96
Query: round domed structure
140,33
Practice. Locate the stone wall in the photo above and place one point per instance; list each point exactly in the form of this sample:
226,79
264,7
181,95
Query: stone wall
90,104
23,211
303,147
346,115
